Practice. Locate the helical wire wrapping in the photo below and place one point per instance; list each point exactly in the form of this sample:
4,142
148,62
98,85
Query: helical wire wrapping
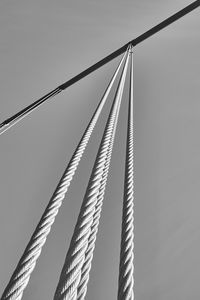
70,277
181,13
85,271
126,270
20,278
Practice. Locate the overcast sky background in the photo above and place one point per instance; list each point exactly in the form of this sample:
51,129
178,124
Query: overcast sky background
44,43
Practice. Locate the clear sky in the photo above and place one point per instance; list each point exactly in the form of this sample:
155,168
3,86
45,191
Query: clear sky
44,43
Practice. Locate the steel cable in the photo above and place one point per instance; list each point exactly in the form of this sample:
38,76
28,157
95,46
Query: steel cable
85,271
22,273
71,272
126,269
7,124
181,13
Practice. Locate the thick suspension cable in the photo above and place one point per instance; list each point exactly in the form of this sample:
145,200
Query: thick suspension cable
21,275
85,271
17,117
71,273
126,270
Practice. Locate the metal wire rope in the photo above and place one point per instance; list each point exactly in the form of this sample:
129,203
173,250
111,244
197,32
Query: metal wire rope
82,287
24,112
20,278
71,272
126,270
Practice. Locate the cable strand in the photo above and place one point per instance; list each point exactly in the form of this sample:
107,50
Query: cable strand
126,268
22,273
72,269
181,13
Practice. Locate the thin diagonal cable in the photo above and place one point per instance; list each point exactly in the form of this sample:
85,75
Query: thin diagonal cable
126,270
21,275
181,13
85,271
71,271
7,124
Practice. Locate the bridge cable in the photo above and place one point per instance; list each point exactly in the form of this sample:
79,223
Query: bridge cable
126,269
8,123
71,272
22,273
85,270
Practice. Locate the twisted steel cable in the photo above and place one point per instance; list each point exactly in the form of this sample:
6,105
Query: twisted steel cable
71,272
85,271
82,288
22,273
181,13
126,270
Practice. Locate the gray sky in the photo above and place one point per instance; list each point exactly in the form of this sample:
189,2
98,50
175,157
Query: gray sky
44,43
